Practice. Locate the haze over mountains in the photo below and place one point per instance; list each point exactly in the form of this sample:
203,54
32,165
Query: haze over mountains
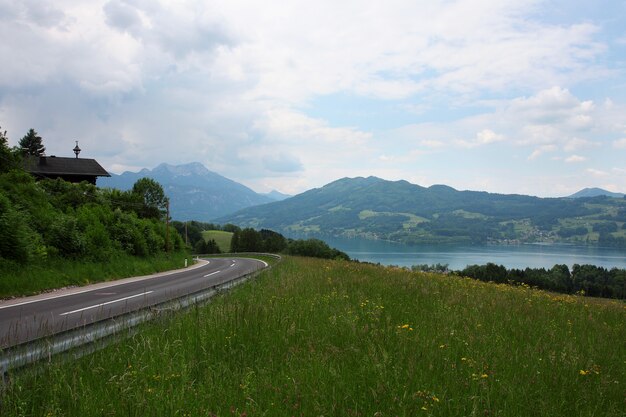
195,192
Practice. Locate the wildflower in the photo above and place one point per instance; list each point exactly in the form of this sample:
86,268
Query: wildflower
484,376
583,372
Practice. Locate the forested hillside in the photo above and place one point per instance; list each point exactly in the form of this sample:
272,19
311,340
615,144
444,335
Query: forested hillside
403,212
54,218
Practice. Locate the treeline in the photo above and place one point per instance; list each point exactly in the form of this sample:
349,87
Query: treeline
251,240
191,232
593,280
55,218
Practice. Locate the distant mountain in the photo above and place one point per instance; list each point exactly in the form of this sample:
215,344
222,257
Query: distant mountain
195,192
400,211
595,192
276,195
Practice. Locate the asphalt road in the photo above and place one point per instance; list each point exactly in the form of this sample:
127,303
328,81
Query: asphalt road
26,319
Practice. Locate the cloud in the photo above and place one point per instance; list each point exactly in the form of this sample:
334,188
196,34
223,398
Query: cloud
620,143
549,113
575,144
282,163
484,137
178,31
575,159
597,173
430,143
541,150
122,16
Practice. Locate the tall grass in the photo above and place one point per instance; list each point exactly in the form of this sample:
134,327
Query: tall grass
314,337
18,280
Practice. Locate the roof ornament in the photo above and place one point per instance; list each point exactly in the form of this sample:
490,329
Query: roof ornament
77,150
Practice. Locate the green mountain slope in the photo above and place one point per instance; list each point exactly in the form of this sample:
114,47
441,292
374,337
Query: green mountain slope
595,192
404,212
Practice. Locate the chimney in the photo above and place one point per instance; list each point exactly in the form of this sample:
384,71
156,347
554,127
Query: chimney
76,150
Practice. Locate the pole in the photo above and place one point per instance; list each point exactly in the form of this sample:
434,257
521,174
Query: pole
167,227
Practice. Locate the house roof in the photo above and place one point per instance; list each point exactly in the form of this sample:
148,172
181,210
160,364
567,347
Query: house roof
54,165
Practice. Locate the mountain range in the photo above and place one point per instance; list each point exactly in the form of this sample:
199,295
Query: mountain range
400,211
195,193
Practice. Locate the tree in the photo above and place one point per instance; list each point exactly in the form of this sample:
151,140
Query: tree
7,159
31,144
153,197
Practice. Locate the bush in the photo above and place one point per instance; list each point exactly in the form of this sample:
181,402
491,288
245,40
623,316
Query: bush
315,248
17,240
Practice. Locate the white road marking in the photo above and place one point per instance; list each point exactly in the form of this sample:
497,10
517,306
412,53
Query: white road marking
108,302
212,273
103,284
44,299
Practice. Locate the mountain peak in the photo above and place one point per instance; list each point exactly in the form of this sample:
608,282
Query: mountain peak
595,192
195,168
195,192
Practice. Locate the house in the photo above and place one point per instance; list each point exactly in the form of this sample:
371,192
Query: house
70,169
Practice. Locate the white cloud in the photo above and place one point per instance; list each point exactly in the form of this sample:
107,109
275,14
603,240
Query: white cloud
620,143
597,173
541,150
575,159
575,144
430,143
484,137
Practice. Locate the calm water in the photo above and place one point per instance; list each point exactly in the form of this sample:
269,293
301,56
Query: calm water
458,257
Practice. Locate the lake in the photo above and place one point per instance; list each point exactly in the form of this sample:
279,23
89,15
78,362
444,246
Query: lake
459,256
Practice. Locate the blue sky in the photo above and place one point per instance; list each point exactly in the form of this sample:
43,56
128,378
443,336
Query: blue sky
503,96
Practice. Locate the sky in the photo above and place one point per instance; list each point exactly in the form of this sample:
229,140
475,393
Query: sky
525,97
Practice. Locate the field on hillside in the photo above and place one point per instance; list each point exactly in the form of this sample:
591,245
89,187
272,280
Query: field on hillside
313,337
221,238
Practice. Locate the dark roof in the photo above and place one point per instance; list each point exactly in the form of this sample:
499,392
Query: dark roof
54,165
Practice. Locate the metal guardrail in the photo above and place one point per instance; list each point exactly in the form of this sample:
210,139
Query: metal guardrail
83,339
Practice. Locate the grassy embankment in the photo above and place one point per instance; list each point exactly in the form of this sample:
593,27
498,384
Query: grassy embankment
19,280
221,238
313,337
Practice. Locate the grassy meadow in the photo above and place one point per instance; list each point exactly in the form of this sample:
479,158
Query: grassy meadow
329,338
221,238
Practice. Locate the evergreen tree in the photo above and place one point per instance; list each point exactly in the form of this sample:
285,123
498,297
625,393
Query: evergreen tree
31,144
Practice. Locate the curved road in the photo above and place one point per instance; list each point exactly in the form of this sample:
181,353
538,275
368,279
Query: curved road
26,319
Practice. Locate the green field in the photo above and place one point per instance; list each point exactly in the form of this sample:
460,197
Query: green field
313,337
221,238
